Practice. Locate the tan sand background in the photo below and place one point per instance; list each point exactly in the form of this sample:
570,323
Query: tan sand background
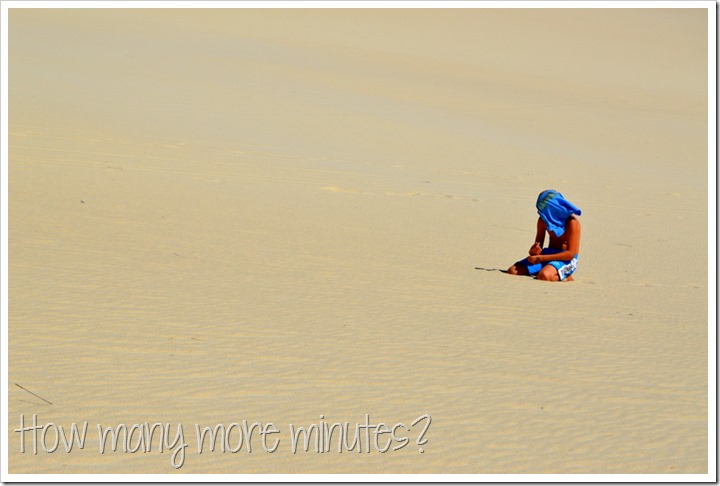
274,215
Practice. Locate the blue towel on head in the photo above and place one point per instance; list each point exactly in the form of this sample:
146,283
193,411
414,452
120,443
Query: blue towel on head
554,209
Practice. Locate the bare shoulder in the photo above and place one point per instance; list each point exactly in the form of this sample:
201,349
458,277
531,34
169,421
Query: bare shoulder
573,224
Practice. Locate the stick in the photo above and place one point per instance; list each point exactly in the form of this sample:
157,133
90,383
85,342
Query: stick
33,394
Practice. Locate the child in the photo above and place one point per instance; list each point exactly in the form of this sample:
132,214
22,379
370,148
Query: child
559,260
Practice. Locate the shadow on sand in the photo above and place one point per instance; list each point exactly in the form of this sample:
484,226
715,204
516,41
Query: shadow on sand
491,269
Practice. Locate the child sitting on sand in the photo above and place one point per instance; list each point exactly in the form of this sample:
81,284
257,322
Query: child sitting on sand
559,260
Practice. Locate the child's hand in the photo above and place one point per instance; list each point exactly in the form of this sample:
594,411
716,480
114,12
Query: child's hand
535,249
533,259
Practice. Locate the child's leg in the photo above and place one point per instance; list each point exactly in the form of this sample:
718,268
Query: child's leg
518,269
548,273
558,271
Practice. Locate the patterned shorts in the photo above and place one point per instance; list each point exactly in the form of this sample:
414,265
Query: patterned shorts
565,268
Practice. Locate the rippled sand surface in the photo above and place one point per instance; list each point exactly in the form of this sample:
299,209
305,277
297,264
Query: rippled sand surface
298,216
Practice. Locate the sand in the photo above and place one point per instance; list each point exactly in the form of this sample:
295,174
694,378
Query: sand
299,216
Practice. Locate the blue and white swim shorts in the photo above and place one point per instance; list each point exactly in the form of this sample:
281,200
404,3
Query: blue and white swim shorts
565,268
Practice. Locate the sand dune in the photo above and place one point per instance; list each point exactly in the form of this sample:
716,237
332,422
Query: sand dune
277,215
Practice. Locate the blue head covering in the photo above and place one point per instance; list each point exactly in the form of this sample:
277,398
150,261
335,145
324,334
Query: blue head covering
554,209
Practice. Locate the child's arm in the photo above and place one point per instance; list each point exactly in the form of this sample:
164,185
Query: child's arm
573,245
539,238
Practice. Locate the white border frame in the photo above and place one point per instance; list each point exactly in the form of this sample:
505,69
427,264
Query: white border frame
711,8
